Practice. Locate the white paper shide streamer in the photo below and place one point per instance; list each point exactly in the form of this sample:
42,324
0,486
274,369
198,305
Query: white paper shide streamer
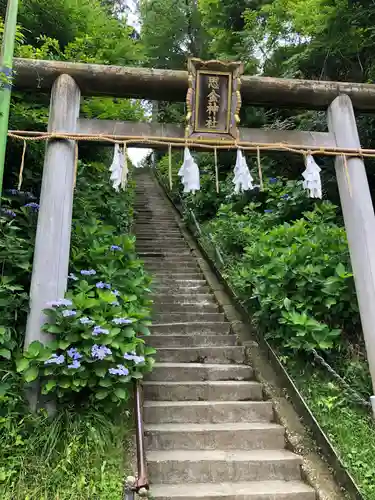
119,169
189,173
311,175
243,180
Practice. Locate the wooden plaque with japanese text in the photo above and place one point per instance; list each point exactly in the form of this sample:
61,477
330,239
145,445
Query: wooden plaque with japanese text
213,99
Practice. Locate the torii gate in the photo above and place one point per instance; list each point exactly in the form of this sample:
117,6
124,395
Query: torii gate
69,80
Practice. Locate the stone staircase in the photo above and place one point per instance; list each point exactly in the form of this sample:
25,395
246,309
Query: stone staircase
209,432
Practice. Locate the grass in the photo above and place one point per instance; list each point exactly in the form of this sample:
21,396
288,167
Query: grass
349,427
78,456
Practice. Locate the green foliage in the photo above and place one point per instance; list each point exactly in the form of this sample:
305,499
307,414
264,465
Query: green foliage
107,311
330,406
171,31
290,275
74,455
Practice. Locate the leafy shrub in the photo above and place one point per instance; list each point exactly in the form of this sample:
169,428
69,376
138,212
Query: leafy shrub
293,277
96,348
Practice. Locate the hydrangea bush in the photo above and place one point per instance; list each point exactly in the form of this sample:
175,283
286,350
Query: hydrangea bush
98,329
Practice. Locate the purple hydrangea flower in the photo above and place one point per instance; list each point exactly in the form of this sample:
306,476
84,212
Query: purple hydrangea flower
100,351
98,330
59,303
88,272
86,321
122,321
273,180
116,248
76,364
120,370
101,284
72,277
55,360
268,211
74,354
9,213
68,313
116,293
34,206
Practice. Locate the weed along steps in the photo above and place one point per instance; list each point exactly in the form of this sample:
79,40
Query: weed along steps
210,432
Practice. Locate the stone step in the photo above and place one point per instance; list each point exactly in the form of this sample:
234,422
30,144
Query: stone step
179,372
163,277
149,233
184,287
168,254
171,307
206,412
185,256
161,237
155,220
215,466
254,490
166,341
184,298
159,247
229,436
180,328
187,317
178,282
166,243
168,266
203,391
211,355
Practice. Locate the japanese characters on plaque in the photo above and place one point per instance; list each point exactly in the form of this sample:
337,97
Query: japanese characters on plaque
213,99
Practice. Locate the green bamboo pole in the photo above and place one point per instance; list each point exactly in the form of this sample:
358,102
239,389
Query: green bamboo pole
6,63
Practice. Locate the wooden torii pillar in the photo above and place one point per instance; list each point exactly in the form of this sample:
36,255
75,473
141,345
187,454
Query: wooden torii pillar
51,259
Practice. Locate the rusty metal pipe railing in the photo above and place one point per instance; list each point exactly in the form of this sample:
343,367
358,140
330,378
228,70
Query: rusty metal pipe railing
142,479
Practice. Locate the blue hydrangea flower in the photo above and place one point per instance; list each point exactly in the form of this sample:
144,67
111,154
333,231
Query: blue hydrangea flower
55,360
273,180
100,351
122,321
86,321
34,206
116,248
285,197
98,330
101,284
138,360
116,293
8,212
130,355
120,370
72,277
13,192
76,364
133,357
88,272
73,353
268,211
68,313
60,302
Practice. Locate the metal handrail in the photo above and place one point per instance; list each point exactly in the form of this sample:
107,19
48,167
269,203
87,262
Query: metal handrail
142,479
139,484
